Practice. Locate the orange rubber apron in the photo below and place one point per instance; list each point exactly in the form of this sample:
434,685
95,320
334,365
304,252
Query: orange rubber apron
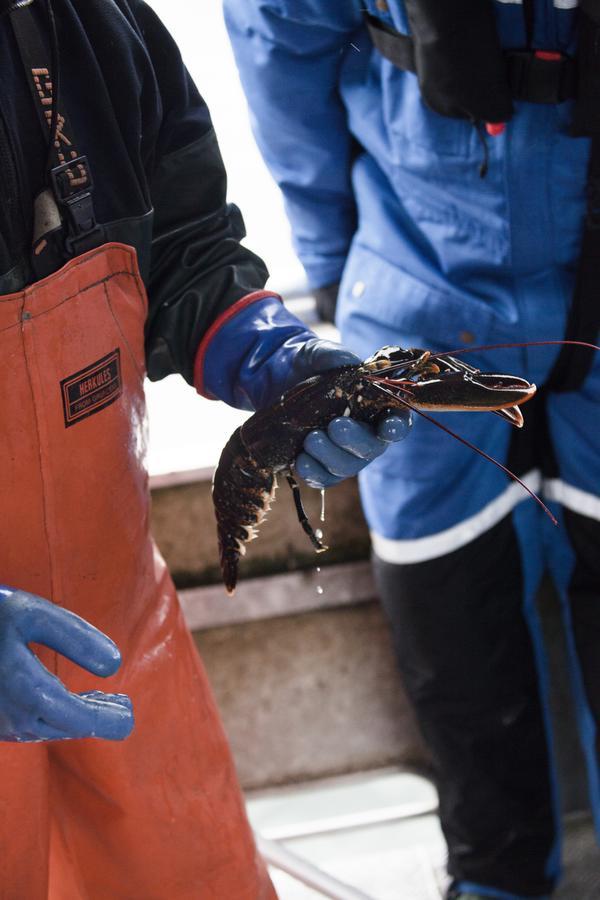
160,815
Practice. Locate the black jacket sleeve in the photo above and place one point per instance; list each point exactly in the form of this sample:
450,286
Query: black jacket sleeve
160,184
198,266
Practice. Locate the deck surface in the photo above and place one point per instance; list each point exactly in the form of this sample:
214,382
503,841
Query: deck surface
394,860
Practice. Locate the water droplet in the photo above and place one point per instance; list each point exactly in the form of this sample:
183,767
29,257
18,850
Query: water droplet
319,589
322,504
318,534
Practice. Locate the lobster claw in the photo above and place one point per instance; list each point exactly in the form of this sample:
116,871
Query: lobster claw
512,414
472,390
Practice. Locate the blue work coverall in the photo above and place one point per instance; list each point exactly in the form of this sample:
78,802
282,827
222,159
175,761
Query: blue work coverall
385,196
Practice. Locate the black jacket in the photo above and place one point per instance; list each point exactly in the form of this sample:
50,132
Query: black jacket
159,179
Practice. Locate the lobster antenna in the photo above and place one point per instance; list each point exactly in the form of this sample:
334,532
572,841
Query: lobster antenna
481,452
507,346
461,350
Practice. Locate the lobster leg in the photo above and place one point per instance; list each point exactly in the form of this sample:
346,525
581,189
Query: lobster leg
302,517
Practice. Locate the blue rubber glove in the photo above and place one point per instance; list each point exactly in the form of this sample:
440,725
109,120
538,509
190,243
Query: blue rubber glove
35,705
262,351
346,448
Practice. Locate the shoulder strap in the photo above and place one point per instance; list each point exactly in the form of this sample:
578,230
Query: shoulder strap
398,48
458,59
69,173
533,76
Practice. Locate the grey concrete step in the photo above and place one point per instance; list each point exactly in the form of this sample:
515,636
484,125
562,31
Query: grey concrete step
300,660
183,524
310,695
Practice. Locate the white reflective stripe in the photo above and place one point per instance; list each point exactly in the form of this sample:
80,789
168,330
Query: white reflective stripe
573,498
559,4
434,545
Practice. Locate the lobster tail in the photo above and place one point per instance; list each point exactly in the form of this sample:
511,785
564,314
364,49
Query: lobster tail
242,495
229,569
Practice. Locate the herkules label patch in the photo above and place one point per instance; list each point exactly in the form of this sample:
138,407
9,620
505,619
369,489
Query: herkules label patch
92,389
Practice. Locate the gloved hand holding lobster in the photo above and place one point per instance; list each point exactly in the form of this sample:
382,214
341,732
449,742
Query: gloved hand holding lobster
261,352
254,355
346,446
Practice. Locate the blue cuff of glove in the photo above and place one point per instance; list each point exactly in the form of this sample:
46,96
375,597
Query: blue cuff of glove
257,350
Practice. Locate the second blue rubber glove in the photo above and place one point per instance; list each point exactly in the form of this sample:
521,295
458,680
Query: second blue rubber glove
34,704
261,351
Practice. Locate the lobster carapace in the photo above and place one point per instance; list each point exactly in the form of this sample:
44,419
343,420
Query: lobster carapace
268,443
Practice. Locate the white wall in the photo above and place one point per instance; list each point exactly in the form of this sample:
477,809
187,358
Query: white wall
187,432
197,26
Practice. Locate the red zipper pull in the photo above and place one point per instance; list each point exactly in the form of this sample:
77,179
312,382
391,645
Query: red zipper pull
550,55
495,129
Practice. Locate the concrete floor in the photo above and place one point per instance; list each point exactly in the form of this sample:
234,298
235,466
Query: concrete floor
392,860
399,859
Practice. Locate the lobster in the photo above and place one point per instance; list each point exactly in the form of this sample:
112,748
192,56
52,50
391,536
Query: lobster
268,443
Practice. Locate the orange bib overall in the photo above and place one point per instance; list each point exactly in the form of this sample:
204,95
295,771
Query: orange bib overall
160,815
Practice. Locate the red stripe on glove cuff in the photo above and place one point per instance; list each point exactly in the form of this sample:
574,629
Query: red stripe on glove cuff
219,322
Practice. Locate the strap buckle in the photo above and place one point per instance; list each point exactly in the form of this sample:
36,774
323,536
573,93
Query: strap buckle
73,194
541,76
